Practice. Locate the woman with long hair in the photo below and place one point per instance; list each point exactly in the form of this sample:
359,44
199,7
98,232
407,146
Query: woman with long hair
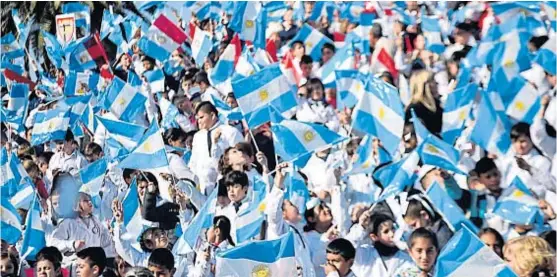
425,101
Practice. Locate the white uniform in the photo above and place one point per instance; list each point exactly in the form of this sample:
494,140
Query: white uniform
368,262
67,163
541,166
317,112
202,267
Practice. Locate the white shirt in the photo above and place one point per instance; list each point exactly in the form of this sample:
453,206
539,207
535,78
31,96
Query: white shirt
318,113
66,163
541,166
368,262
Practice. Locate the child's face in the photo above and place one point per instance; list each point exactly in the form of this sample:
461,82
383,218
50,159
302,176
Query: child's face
424,253
161,271
386,233
491,241
491,179
417,222
342,265
6,267
290,212
522,145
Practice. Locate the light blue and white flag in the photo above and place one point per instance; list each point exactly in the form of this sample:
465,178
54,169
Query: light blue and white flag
244,19
34,236
397,176
92,177
380,113
434,151
10,223
125,133
350,87
225,65
246,65
526,102
248,223
82,15
456,111
76,105
23,28
80,83
342,60
50,125
271,258
465,253
18,102
133,222
366,160
155,78
296,191
23,185
149,154
446,206
313,41
226,112
293,139
490,132
10,48
259,92
432,33
547,55
512,51
550,8
506,11
190,238
518,205
169,113
206,9
53,49
201,46
123,100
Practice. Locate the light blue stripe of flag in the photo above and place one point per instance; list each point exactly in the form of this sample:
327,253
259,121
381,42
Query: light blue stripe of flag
152,49
296,191
201,46
123,100
268,251
456,111
518,205
127,134
80,83
225,111
432,33
546,57
92,176
397,176
149,153
313,41
132,220
34,236
10,48
350,86
10,223
342,60
490,132
450,211
50,125
155,78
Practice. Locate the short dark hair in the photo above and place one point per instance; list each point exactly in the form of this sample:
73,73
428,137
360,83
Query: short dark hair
95,256
484,165
246,148
376,220
498,238
342,247
173,134
422,232
145,234
162,257
69,136
376,30
206,107
329,46
520,129
145,176
127,172
92,149
306,59
298,42
201,77
236,177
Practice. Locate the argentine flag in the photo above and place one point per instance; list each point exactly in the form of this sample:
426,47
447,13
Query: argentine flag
270,258
342,60
293,139
224,68
547,55
92,177
432,33
127,134
313,41
34,235
169,113
380,113
82,15
80,83
201,46
155,78
397,176
18,102
10,224
149,154
466,253
123,100
244,19
350,87
50,125
259,92
296,191
132,221
456,111
366,162
490,132
517,205
248,223
436,152
226,112
526,101
10,48
446,206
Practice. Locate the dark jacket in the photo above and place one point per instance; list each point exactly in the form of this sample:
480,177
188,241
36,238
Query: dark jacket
433,121
166,214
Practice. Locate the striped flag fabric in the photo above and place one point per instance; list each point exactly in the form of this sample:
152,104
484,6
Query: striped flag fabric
53,48
526,101
397,176
432,33
546,56
201,46
518,205
149,154
123,100
92,177
244,19
155,78
350,87
342,60
132,220
169,113
446,206
456,111
88,54
313,41
10,48
50,125
123,132
490,133
10,221
34,235
162,38
80,83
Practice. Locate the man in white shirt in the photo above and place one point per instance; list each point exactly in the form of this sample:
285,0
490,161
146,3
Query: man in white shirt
68,160
211,140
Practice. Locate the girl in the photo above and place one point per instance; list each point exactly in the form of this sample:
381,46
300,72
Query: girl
423,248
318,231
48,263
382,258
8,265
218,239
421,214
530,256
315,109
175,141
492,239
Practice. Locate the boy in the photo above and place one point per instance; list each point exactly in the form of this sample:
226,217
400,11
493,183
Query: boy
161,263
340,257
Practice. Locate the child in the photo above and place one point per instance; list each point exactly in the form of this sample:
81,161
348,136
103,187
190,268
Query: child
420,213
423,248
340,258
219,239
382,258
161,263
492,239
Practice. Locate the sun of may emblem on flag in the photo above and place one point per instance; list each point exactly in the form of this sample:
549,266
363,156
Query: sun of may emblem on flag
462,115
358,87
7,48
381,114
309,45
518,193
263,94
121,101
519,105
83,57
367,164
432,149
261,271
50,126
147,147
262,206
508,63
308,136
249,23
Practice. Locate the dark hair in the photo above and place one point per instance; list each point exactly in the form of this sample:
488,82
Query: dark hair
352,146
376,30
423,233
298,42
147,177
549,236
206,107
376,220
498,238
389,77
222,192
51,254
14,260
329,46
246,148
416,206
45,157
306,59
145,235
222,165
313,84
92,149
138,271
311,213
484,165
342,247
223,224
201,77
236,177
69,136
127,173
162,257
173,134
95,256
520,129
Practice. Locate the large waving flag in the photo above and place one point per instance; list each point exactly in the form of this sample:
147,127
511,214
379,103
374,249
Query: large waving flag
450,211
155,78
296,191
258,92
456,111
366,161
34,235
490,132
380,114
342,60
201,46
92,176
518,205
465,253
162,38
10,48
432,33
225,65
350,87
313,41
437,152
293,139
50,125
10,223
397,176
149,154
127,134
88,54
202,220
77,106
226,112
271,258
123,100
24,187
244,19
547,55
526,101
508,10
249,222
132,212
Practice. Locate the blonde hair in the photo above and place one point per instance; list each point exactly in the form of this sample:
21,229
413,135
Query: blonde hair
530,254
421,92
